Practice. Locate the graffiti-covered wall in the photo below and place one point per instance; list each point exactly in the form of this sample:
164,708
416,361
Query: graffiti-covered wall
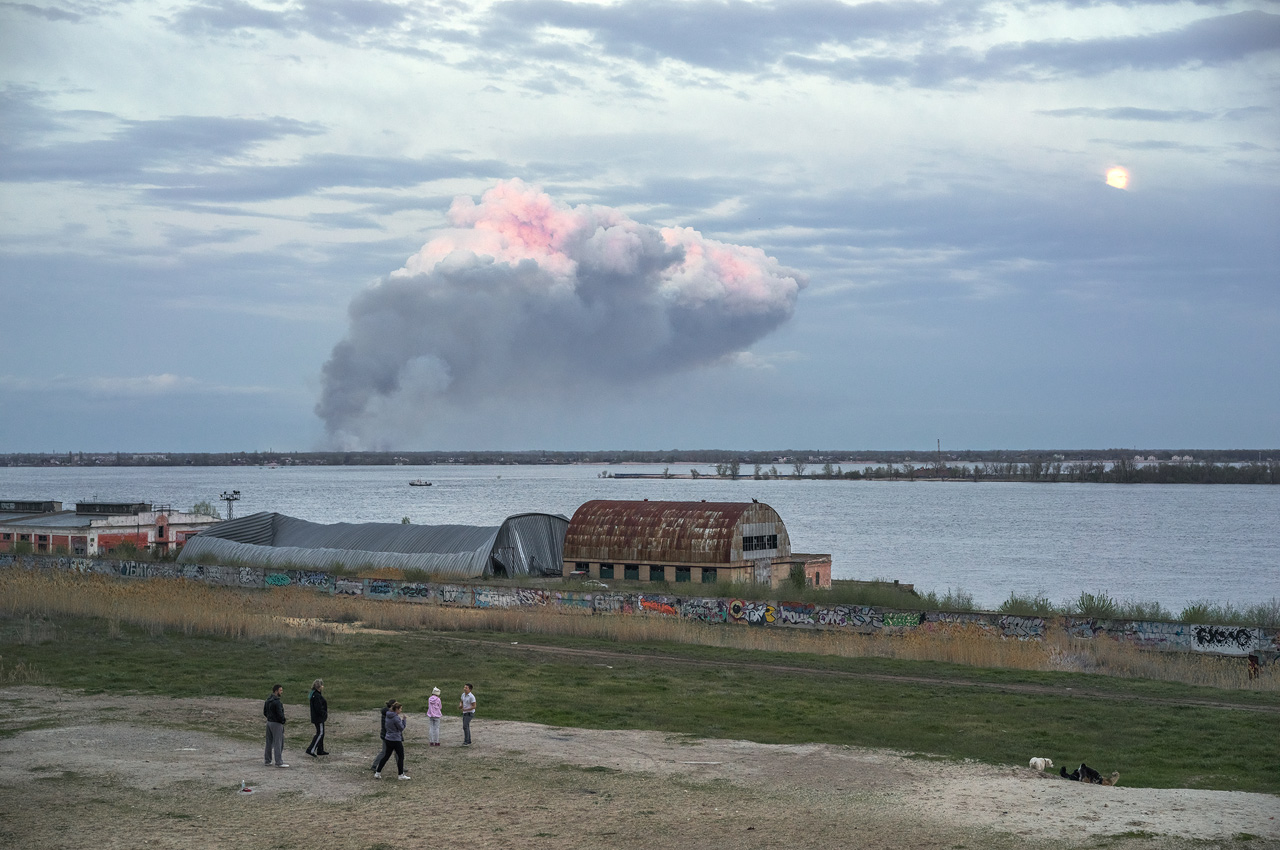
1225,640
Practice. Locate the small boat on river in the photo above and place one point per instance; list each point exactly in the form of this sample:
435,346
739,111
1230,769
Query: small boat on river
418,482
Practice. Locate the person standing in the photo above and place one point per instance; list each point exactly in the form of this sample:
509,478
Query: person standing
468,706
319,714
395,724
273,710
382,733
434,712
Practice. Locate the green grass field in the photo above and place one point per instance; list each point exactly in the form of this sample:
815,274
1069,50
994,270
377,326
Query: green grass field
1156,734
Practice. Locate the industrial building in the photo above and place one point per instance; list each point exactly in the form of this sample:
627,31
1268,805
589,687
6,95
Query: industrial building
524,544
698,542
94,528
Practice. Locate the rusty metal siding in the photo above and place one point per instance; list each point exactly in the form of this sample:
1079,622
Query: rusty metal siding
669,532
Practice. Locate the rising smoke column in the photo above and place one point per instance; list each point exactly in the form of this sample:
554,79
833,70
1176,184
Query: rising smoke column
523,298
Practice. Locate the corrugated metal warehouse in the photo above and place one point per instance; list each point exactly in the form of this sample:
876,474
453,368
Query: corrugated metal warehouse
525,544
700,542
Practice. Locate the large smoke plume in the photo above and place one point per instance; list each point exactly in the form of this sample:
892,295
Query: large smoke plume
523,299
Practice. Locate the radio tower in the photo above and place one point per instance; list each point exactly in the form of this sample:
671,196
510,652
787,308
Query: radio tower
230,498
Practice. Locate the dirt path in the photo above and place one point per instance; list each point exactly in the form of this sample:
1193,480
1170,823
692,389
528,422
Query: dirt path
82,771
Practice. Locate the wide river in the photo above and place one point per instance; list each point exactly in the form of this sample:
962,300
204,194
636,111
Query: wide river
1172,544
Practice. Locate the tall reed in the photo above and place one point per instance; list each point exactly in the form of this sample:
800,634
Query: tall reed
191,608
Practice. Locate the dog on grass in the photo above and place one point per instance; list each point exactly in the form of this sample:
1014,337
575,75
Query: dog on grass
1084,773
1041,764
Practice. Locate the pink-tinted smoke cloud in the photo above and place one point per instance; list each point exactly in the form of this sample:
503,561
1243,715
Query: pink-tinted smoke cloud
528,299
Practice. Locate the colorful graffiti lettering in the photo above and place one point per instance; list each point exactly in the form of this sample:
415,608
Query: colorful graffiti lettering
901,619
797,614
706,610
277,579
653,607
752,613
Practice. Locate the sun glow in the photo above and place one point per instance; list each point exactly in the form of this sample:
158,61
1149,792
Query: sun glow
1118,177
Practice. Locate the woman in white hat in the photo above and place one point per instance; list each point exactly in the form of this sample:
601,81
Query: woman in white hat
434,713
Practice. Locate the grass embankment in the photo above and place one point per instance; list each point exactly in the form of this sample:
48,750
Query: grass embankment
183,639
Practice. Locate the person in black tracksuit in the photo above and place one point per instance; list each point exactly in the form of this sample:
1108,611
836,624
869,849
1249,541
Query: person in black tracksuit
319,714
382,732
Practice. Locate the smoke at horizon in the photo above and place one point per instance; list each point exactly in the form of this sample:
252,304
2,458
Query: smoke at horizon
526,299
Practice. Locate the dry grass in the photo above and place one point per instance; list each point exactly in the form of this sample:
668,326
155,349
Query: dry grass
161,605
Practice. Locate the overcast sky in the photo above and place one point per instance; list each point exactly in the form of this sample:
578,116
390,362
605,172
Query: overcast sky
754,224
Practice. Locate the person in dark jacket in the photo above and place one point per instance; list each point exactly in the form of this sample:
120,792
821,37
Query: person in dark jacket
382,732
319,714
273,710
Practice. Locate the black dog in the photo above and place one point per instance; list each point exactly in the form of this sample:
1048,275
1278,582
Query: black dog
1083,773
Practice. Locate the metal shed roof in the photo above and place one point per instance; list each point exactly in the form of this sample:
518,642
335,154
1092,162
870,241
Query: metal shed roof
523,544
662,532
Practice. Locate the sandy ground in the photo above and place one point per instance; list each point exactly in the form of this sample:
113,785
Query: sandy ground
82,771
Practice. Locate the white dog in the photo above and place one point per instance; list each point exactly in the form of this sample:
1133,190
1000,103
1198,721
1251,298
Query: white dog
1041,764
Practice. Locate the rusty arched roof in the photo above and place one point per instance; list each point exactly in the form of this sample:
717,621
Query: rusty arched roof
664,532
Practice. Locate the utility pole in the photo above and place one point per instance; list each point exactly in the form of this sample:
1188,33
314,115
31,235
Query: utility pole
230,498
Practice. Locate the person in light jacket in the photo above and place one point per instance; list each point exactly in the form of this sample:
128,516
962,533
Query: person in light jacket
382,734
468,706
435,710
319,714
395,741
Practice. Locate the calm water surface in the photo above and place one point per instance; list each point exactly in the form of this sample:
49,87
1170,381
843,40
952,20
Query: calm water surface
1173,544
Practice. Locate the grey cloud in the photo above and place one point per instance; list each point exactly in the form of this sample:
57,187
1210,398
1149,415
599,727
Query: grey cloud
189,160
341,21
733,35
1131,113
613,304
314,173
1212,41
138,149
49,13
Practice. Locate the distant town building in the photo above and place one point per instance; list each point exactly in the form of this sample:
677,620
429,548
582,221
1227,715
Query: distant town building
94,528
696,542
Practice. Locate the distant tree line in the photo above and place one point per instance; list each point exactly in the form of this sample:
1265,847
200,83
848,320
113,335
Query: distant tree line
1120,471
1179,466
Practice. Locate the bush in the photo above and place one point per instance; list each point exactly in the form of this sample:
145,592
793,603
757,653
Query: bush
1028,606
1098,606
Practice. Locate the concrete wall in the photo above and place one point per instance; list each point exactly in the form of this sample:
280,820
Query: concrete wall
1189,637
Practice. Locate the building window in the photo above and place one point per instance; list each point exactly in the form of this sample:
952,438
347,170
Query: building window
581,567
43,538
657,574
759,542
6,536
683,574
606,571
631,572
708,575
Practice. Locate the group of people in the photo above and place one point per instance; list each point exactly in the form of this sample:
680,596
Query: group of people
391,726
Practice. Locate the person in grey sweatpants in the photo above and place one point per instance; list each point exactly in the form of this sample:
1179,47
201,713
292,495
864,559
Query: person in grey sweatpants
273,710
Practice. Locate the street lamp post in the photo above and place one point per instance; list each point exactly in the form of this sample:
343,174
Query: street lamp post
230,498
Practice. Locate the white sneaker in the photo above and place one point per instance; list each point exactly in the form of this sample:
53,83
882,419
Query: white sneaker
282,765
377,775
404,776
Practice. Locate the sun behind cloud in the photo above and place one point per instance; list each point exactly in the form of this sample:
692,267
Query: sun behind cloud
1118,177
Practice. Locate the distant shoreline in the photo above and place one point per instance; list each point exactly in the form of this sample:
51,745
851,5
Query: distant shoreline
1094,466
810,458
